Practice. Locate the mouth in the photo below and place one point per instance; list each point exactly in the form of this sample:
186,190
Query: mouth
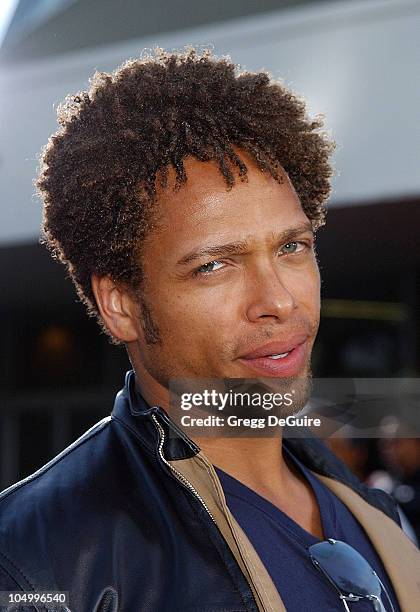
278,359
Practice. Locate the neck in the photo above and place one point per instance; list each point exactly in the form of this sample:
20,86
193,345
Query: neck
257,462
260,464
153,392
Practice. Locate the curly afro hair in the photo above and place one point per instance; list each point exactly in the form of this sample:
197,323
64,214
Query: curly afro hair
98,173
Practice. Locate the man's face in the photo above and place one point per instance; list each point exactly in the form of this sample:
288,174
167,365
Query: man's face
214,309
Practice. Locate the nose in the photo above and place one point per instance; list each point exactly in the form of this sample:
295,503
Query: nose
268,295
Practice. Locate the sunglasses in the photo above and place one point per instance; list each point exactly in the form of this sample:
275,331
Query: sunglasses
349,573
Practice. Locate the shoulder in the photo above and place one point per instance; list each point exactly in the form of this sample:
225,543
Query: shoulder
61,475
316,455
47,511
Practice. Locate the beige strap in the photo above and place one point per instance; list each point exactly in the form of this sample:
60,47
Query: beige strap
202,475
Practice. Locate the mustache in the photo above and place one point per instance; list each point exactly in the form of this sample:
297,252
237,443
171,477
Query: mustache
278,332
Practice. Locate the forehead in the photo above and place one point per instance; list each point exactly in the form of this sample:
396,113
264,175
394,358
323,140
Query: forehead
204,206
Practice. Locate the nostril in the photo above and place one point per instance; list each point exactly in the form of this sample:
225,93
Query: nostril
108,601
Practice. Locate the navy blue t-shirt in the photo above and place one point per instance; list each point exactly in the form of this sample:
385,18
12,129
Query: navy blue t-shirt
283,545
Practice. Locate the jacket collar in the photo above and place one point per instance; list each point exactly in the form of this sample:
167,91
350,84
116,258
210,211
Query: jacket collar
131,408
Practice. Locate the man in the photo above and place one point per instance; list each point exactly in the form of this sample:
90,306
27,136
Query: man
183,198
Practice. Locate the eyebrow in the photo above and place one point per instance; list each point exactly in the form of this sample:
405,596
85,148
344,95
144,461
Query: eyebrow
240,246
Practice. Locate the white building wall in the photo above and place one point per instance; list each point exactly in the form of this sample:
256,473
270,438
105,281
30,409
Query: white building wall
356,62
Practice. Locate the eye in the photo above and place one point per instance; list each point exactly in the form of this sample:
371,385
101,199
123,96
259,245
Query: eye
206,268
292,247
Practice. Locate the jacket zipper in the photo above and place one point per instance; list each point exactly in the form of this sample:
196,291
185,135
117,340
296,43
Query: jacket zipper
184,480
178,474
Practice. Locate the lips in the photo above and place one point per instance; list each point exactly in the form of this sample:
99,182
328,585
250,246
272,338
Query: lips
259,360
276,348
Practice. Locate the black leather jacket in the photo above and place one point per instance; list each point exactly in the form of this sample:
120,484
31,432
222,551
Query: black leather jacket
111,522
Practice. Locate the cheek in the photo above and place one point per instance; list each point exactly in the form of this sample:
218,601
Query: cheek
201,313
305,286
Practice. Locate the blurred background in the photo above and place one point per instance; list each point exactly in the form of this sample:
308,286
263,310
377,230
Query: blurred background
355,61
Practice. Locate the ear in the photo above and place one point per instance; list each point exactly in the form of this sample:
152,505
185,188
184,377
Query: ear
117,308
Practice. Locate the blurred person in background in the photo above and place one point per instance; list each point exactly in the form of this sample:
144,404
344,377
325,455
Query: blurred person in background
354,452
401,457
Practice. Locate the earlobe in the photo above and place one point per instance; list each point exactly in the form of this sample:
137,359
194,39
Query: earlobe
116,307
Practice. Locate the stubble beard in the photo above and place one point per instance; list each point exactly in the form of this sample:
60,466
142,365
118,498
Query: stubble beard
295,392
